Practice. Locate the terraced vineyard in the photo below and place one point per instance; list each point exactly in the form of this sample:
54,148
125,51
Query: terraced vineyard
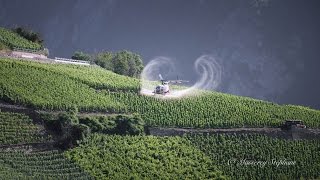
43,89
101,93
21,164
20,160
93,76
261,157
17,128
142,157
13,40
51,86
212,110
97,77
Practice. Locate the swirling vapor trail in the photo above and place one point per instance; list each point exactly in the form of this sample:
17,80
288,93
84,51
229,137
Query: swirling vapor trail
206,66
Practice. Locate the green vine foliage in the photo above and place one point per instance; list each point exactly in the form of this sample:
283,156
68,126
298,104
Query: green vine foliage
42,89
243,156
142,157
17,128
214,110
49,164
92,89
14,40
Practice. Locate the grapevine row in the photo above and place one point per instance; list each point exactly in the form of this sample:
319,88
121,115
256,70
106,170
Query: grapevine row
51,164
235,155
58,87
17,128
93,76
142,157
214,110
43,89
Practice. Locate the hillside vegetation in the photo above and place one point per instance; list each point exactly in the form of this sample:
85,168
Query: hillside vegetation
142,157
95,77
261,157
107,140
51,164
40,88
18,128
124,62
212,110
58,87
13,40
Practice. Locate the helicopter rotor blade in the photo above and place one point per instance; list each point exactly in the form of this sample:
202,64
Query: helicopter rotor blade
160,76
177,81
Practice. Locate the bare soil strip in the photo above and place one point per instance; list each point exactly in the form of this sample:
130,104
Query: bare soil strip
292,134
32,147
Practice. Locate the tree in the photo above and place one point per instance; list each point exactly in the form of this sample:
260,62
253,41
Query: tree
138,64
104,59
129,125
123,62
132,67
120,124
135,65
127,63
120,63
29,34
69,129
78,55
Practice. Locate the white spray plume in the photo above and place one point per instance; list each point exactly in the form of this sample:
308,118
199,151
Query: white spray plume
206,67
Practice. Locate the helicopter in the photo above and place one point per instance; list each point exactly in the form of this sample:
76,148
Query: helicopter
164,88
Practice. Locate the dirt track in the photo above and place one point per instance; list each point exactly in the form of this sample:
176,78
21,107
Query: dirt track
294,133
32,147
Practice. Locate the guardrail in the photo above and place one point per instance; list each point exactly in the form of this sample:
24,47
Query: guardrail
72,61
